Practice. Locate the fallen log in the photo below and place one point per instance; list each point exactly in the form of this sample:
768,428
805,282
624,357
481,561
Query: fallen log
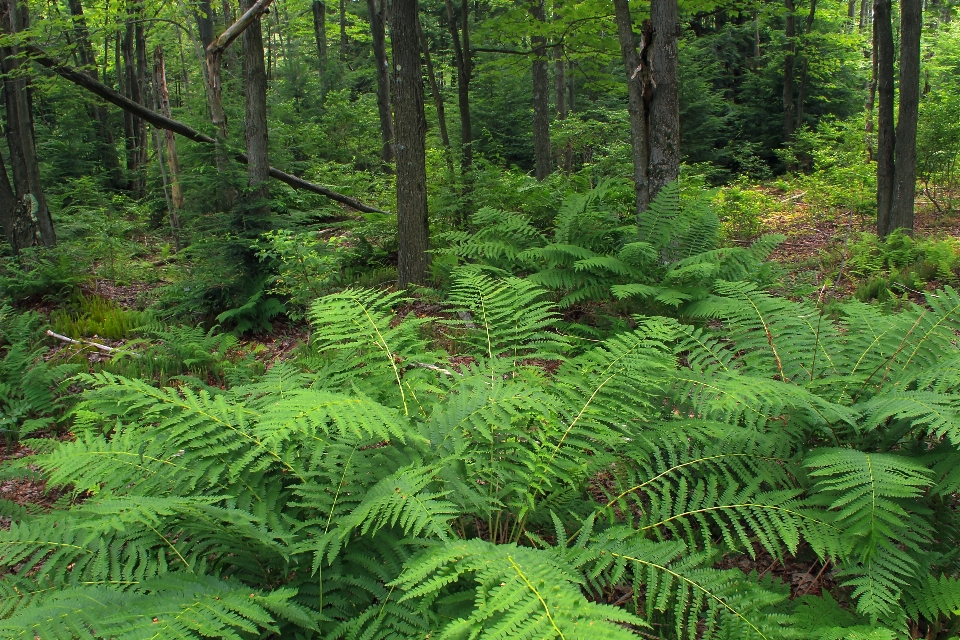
83,80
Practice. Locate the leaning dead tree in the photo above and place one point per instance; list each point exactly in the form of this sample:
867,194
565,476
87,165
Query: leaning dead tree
83,80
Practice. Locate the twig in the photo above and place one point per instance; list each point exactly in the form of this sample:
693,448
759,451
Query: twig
102,347
811,584
433,367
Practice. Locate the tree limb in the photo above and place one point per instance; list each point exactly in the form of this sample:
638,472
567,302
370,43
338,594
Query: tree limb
81,79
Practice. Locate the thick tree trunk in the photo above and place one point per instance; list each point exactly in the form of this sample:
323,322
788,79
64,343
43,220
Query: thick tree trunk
411,130
163,104
905,154
320,35
664,123
790,32
541,98
804,67
883,27
32,224
255,132
106,146
376,10
462,61
638,75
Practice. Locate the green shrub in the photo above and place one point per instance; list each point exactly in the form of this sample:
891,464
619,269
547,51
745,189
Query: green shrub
89,316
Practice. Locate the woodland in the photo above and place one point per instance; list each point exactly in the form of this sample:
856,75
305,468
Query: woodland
480,319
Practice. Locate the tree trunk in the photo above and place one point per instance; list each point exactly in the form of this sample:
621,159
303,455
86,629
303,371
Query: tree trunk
790,32
871,97
320,34
32,224
255,132
638,75
140,47
9,215
541,98
905,153
411,129
163,103
204,14
462,61
801,93
106,146
664,124
883,31
864,14
376,10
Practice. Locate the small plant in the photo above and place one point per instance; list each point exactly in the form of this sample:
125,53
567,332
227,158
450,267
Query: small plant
97,316
29,385
41,273
898,264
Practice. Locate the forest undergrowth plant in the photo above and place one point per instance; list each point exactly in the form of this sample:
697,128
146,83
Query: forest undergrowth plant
390,491
29,385
662,261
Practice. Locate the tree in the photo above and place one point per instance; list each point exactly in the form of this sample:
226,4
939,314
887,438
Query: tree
320,35
255,132
790,33
664,123
541,95
375,8
29,222
638,83
462,61
411,133
896,148
905,153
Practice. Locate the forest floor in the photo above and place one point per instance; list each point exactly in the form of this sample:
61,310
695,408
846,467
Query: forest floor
814,253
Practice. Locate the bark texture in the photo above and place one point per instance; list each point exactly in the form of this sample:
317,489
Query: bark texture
805,64
320,35
31,221
411,130
462,60
664,123
883,27
638,75
170,143
255,131
541,98
905,152
375,9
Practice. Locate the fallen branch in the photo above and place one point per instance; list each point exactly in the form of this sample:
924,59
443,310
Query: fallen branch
81,79
102,347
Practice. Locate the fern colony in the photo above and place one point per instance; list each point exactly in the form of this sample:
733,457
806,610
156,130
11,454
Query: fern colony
386,490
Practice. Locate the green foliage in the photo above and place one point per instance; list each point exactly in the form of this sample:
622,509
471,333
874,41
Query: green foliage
893,266
97,316
666,259
40,273
29,385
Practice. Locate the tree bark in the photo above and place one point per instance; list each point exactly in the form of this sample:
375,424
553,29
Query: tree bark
804,67
790,32
9,214
320,34
883,27
541,97
255,131
106,146
664,123
871,96
638,75
905,152
32,223
411,128
170,143
376,10
204,15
